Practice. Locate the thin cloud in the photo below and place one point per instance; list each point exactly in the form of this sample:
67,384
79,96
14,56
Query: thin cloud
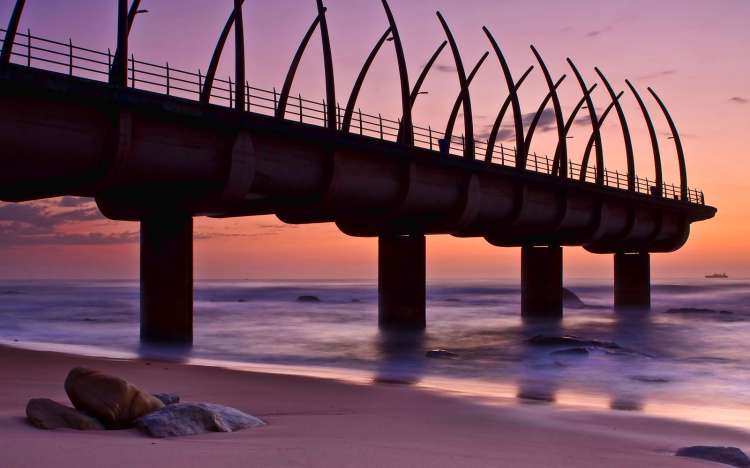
739,100
656,74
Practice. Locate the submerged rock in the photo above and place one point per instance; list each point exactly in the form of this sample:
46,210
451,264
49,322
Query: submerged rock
571,300
168,398
113,401
308,299
47,414
728,455
649,379
182,419
573,352
440,354
723,315
570,341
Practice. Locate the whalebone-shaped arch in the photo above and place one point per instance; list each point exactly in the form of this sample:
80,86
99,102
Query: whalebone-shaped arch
417,89
459,99
569,125
118,61
501,114
538,115
652,135
625,130
235,19
406,129
349,111
515,103
562,143
594,121
466,98
11,31
596,136
678,145
330,111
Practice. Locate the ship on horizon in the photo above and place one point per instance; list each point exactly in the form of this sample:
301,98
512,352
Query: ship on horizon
718,275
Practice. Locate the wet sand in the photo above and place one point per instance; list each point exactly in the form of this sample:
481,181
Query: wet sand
316,422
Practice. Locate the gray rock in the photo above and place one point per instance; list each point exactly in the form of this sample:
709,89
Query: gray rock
47,414
441,354
728,455
183,419
168,398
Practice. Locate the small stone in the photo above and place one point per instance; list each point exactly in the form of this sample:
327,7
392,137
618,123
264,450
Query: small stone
728,455
182,419
168,398
47,414
113,401
441,354
308,299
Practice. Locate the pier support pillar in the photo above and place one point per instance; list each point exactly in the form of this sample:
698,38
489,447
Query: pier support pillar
167,279
632,280
401,282
541,282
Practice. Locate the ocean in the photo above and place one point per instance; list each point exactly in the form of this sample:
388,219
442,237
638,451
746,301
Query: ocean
686,358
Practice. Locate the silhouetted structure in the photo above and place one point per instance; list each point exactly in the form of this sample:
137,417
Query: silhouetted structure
160,145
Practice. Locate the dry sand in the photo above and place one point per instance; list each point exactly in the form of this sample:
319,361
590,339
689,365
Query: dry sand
314,422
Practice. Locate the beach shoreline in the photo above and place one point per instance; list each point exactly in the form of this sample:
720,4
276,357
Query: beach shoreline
323,422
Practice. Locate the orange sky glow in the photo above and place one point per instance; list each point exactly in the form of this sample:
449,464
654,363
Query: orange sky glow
693,53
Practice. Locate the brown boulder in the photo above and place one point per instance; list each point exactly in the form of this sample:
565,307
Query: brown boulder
113,401
47,414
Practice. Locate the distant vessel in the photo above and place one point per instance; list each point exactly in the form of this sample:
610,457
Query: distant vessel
718,275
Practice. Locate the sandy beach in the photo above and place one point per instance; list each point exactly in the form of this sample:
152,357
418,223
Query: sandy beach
316,422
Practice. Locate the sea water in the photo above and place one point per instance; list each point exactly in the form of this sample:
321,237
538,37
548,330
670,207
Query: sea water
687,357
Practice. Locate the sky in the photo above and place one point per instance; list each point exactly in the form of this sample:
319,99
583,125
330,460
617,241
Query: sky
692,52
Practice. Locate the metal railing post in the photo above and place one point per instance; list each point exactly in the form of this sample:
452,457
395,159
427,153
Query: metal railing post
361,125
380,120
275,99
168,90
300,107
429,135
70,56
200,83
231,93
132,63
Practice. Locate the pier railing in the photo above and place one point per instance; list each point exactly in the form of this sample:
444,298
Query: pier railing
65,57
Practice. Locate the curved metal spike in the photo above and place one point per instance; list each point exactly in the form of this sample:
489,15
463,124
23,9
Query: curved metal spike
459,99
652,135
406,127
420,81
468,116
512,90
331,116
596,134
594,120
208,82
625,131
117,58
349,112
678,145
561,142
538,115
287,88
239,57
499,120
10,33
569,124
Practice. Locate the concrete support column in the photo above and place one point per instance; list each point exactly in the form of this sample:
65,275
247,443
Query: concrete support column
541,282
632,280
167,279
401,282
